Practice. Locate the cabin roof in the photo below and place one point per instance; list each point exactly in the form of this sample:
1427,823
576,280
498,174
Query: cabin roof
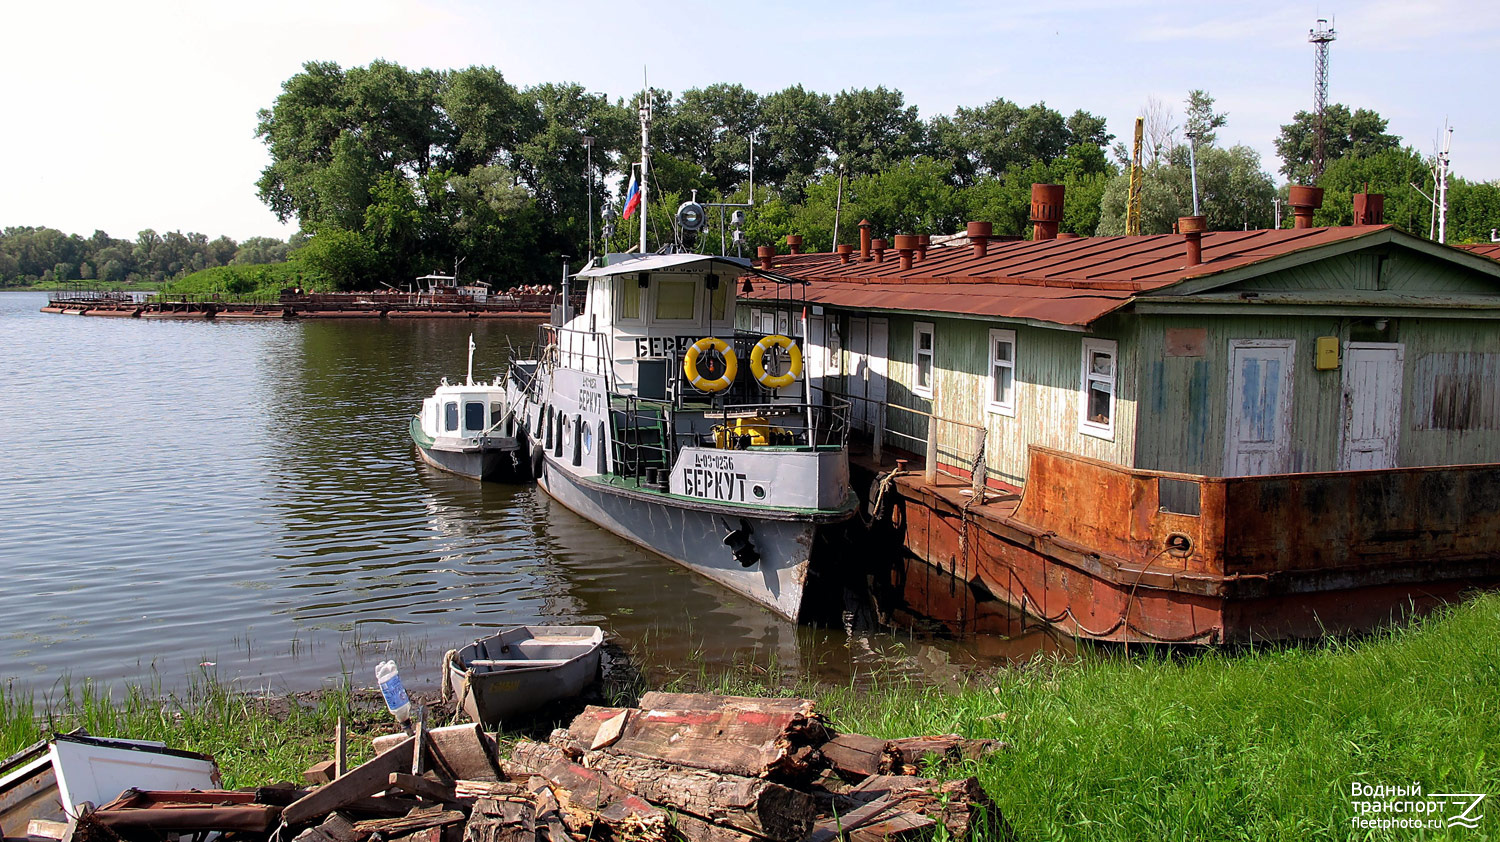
1063,281
660,262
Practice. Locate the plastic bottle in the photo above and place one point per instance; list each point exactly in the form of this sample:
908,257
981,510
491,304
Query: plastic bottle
393,690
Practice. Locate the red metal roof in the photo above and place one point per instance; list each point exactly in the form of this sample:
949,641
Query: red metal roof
1065,281
1490,250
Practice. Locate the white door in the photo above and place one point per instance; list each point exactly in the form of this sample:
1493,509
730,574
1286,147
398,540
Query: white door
1259,428
814,357
879,365
858,348
1372,405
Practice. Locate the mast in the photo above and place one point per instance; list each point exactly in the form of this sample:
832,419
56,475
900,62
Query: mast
645,161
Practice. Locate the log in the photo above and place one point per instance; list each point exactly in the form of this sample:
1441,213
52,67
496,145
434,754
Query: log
507,819
731,740
549,822
906,756
472,791
335,828
961,806
898,826
879,786
658,700
751,805
589,799
855,756
457,752
423,788
392,828
693,829
361,782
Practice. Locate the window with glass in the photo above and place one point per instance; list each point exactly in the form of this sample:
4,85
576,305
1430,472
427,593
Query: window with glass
1002,390
497,414
923,343
719,301
676,300
450,417
474,415
629,299
1098,398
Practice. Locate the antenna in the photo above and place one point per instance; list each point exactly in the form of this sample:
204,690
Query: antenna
1320,36
1440,192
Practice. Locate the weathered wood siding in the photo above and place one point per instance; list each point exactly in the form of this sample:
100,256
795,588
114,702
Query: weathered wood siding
1048,377
1451,392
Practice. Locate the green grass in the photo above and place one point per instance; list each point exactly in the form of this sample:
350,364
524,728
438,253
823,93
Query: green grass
262,282
1216,745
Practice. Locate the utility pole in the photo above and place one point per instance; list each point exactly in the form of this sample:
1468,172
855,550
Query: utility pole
1193,167
1133,203
645,161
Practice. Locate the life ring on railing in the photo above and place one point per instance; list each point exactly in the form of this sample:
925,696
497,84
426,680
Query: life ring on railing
690,364
758,361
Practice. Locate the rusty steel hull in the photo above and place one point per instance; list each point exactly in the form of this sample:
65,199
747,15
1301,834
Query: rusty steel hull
1089,550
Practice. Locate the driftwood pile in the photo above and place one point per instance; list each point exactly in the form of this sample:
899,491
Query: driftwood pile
677,768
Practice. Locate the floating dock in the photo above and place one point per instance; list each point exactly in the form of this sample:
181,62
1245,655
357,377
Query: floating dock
309,306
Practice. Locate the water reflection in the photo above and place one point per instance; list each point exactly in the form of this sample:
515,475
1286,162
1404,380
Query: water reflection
244,497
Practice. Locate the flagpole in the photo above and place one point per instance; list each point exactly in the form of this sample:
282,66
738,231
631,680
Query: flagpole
469,380
645,159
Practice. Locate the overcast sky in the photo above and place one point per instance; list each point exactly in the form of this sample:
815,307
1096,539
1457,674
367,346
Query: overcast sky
130,115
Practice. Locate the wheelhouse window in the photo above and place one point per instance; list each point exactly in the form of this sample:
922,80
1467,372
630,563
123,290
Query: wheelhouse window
718,300
922,359
1097,407
474,415
629,299
450,417
676,300
497,413
1002,385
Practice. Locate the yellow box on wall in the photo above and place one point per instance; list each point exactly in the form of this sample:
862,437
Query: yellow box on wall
1328,353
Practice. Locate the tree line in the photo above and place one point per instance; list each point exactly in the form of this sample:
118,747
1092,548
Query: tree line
30,255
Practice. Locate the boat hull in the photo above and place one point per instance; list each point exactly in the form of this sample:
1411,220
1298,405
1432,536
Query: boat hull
694,537
490,465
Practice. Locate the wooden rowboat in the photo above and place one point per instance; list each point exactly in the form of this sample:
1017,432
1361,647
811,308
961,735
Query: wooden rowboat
522,669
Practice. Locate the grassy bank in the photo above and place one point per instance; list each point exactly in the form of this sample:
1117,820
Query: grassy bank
1260,745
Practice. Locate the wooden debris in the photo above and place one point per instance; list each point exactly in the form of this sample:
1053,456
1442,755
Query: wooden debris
549,822
335,828
507,819
321,772
609,733
392,828
44,829
423,788
736,740
361,782
896,826
879,786
855,756
589,799
906,756
472,791
340,749
751,805
457,752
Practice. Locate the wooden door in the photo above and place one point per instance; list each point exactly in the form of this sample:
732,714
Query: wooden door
815,357
1372,406
1258,431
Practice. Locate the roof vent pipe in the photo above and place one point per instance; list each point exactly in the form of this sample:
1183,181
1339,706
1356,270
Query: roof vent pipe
923,241
1065,235
1369,209
979,237
846,252
765,253
794,243
1304,200
1192,228
1046,210
879,245
864,240
905,245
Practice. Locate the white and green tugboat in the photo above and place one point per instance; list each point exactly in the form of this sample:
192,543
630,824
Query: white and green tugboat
651,416
468,429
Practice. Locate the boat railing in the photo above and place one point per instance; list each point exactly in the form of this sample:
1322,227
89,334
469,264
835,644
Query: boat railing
582,350
783,422
643,445
951,447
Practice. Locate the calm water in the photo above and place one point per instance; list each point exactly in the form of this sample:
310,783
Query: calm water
243,498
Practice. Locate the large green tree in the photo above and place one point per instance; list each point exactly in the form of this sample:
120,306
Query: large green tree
1357,132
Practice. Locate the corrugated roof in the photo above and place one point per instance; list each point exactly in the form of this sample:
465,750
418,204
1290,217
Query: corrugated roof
659,262
1068,281
1490,250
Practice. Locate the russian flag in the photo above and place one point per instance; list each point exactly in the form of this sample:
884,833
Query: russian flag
632,198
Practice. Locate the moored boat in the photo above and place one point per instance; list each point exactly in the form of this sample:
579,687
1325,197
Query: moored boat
522,669
468,429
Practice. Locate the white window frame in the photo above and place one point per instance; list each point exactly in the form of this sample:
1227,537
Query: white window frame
1086,426
618,304
916,355
1007,407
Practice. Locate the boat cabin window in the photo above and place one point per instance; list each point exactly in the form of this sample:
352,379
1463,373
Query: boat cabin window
922,348
676,300
497,414
474,415
628,298
719,300
450,417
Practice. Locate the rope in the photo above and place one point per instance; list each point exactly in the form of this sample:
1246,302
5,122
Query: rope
447,685
878,507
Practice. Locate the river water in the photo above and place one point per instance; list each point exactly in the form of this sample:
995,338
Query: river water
242,499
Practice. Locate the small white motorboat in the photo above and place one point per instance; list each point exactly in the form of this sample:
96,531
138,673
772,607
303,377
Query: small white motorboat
468,429
522,669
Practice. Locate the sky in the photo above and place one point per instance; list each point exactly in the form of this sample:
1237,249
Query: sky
127,116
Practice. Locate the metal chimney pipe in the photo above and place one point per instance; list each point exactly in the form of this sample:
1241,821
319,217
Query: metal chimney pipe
1304,200
864,240
905,245
1046,210
979,237
794,243
1369,209
879,245
923,241
765,253
846,253
1192,228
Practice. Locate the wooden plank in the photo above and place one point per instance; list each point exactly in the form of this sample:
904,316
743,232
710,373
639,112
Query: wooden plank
609,733
457,752
44,829
392,828
898,826
879,786
658,700
855,755
422,787
361,782
321,772
831,829
735,741
340,749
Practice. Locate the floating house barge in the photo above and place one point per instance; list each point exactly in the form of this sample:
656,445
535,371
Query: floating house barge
1197,437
